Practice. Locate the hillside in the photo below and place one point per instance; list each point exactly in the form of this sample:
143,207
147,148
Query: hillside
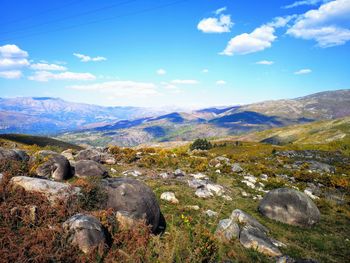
217,122
312,133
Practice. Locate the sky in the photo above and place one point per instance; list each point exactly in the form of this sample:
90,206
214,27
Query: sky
183,53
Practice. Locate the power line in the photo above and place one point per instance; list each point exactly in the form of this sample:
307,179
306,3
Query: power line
69,17
146,10
42,12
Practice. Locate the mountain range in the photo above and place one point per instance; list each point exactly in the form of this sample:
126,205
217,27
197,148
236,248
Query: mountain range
217,122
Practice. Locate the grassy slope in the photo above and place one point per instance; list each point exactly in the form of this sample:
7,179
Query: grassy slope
38,140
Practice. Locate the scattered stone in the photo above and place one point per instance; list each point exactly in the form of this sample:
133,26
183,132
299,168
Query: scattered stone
227,229
179,172
245,194
55,166
199,176
218,171
88,168
236,168
309,193
243,218
166,175
133,198
33,213
113,170
170,197
96,155
85,231
203,193
133,173
211,213
252,237
192,207
289,206
227,198
196,183
215,188
53,191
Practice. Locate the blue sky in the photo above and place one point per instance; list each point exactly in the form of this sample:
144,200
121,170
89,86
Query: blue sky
192,53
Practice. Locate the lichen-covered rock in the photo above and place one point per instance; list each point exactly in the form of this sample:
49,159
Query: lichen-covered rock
53,191
252,237
289,206
88,168
85,231
227,229
54,166
243,218
13,154
133,198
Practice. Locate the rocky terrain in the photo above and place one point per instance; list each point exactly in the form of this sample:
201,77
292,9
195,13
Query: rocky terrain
217,122
234,202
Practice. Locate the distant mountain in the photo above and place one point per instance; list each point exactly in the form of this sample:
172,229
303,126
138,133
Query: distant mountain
218,122
45,115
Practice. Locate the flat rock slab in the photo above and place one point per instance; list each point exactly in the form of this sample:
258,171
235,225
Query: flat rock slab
54,191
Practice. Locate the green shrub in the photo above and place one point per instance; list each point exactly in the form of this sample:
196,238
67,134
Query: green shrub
201,144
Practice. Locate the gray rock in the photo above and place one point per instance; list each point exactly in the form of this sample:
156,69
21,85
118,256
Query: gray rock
179,172
236,168
196,183
133,173
203,193
85,231
254,238
55,166
95,155
88,168
170,197
166,175
133,198
211,213
53,191
68,154
243,218
227,230
13,154
1,177
289,206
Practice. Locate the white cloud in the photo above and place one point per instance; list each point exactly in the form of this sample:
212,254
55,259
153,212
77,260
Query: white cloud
303,71
205,70
258,40
46,66
222,24
328,25
261,38
12,51
220,82
11,74
264,62
305,2
185,81
12,57
85,58
125,88
220,10
161,71
44,76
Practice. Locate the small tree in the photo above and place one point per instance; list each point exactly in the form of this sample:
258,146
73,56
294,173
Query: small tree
201,144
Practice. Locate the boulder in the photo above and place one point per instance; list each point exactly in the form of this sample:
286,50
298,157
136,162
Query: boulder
85,231
211,213
133,198
227,229
289,206
179,172
88,168
236,168
53,191
54,166
170,197
243,218
254,238
68,154
203,193
13,154
95,155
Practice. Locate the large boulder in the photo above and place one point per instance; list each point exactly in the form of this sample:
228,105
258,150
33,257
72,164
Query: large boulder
52,165
95,155
254,238
134,199
85,231
53,191
88,168
290,206
13,154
